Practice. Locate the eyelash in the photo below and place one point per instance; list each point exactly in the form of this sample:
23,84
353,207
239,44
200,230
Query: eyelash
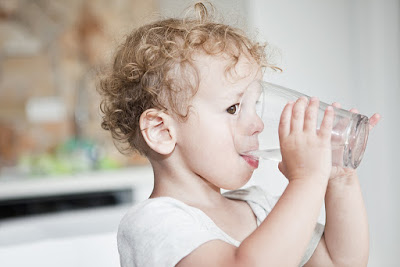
236,106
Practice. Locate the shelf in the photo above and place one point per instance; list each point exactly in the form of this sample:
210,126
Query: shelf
134,177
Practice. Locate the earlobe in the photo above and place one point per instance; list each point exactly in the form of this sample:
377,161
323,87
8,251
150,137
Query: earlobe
158,131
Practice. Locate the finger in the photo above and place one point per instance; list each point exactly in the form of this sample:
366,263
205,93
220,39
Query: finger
336,105
354,110
284,123
374,120
298,115
311,115
327,123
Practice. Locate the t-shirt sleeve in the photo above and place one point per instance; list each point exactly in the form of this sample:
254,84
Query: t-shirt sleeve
160,234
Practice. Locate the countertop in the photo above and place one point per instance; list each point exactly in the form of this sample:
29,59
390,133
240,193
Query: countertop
134,177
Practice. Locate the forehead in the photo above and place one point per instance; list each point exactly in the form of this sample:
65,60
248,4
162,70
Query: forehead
221,76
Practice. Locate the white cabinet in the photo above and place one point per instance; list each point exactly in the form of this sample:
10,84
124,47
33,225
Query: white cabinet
81,237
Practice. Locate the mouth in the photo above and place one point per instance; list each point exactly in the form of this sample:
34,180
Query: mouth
253,162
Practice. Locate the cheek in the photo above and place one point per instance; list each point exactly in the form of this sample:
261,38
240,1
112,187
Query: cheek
208,148
217,128
220,140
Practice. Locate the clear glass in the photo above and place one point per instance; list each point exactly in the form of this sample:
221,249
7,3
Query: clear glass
262,104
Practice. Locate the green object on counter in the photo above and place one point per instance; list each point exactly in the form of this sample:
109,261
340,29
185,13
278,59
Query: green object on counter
107,163
73,156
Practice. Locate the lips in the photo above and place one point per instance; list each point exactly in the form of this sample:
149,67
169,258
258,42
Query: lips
253,162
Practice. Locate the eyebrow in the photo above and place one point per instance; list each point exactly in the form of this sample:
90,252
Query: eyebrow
229,96
239,94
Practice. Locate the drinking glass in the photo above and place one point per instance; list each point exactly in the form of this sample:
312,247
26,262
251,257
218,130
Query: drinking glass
262,103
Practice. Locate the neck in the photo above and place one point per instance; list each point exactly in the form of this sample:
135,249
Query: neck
171,180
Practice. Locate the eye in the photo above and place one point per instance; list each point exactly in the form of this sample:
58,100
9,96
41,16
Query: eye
234,109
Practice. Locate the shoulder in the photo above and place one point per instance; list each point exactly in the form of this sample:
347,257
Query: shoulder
151,209
160,232
153,216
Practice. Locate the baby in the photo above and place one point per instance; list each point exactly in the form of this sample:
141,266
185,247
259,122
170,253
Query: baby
173,95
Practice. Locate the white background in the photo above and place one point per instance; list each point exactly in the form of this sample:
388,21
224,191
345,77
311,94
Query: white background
348,51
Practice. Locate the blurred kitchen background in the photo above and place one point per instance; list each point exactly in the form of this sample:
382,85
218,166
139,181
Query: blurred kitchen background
64,186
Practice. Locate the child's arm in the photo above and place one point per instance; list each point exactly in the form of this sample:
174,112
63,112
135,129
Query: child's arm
346,238
282,239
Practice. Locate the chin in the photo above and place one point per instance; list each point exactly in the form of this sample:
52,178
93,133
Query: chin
239,182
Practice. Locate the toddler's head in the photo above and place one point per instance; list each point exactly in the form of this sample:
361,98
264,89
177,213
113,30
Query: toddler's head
154,68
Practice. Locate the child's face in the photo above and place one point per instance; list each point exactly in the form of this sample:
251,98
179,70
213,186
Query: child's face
205,140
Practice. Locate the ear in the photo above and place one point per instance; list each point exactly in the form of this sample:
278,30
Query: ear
157,129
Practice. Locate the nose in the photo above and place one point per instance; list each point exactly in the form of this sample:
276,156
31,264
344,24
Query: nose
255,125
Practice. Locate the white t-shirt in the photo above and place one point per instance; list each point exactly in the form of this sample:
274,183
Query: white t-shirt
162,231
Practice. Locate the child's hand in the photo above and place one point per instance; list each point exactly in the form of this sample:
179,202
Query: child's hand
338,171
306,153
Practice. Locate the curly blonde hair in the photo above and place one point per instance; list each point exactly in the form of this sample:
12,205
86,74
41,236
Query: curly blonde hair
154,68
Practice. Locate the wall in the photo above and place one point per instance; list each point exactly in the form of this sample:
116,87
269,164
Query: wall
346,51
